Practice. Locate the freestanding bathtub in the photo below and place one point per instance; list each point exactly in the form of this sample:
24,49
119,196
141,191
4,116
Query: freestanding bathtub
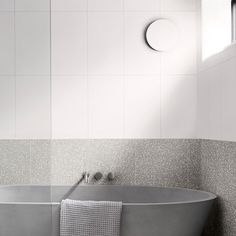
147,211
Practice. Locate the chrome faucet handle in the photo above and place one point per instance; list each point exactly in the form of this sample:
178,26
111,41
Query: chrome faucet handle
110,176
98,176
86,177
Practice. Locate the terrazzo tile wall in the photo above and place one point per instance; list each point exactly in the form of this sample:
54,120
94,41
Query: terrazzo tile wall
25,162
163,162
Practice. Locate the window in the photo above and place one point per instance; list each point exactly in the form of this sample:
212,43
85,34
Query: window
233,10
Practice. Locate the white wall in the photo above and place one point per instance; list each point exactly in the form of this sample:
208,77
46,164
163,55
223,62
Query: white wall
216,26
105,81
217,74
217,96
24,69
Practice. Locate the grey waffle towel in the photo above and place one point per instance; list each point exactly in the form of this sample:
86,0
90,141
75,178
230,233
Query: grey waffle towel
90,218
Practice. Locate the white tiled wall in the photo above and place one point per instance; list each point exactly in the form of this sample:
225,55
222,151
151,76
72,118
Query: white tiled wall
32,5
216,99
69,102
178,106
7,45
7,105
33,107
32,32
25,69
142,106
105,43
105,81
105,97
6,5
69,5
69,43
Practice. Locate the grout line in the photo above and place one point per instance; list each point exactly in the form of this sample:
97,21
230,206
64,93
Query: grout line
51,122
30,161
95,75
124,78
87,70
14,26
50,68
160,89
102,11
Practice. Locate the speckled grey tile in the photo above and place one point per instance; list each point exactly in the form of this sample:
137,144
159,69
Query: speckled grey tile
116,156
40,162
67,160
218,168
166,162
226,184
218,175
14,162
209,165
196,161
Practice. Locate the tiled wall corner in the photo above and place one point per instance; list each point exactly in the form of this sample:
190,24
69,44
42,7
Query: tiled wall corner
218,175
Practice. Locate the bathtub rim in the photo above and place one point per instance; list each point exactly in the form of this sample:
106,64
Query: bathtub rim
211,196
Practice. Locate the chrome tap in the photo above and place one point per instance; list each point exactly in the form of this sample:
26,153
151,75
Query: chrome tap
110,176
98,176
86,177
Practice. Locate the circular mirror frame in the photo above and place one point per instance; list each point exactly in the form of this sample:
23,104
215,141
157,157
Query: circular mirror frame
162,35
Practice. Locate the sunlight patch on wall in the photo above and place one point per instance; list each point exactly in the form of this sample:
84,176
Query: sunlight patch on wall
216,26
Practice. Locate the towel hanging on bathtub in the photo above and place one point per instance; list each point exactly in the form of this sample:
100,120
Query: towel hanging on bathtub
90,218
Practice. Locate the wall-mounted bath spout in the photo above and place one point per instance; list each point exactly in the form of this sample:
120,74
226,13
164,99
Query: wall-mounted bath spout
85,177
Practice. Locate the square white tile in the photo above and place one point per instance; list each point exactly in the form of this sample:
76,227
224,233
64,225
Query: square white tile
203,106
69,43
142,5
227,72
183,58
215,103
7,107
32,5
69,5
33,107
178,106
179,5
106,106
7,45
105,5
105,43
140,59
32,43
69,107
142,107
6,5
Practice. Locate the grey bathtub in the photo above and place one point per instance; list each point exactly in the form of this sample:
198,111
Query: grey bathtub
147,211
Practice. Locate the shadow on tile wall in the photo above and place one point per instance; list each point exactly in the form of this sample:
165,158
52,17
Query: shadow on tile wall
218,175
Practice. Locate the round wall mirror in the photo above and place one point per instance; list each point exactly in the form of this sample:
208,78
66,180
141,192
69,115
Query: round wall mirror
162,35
